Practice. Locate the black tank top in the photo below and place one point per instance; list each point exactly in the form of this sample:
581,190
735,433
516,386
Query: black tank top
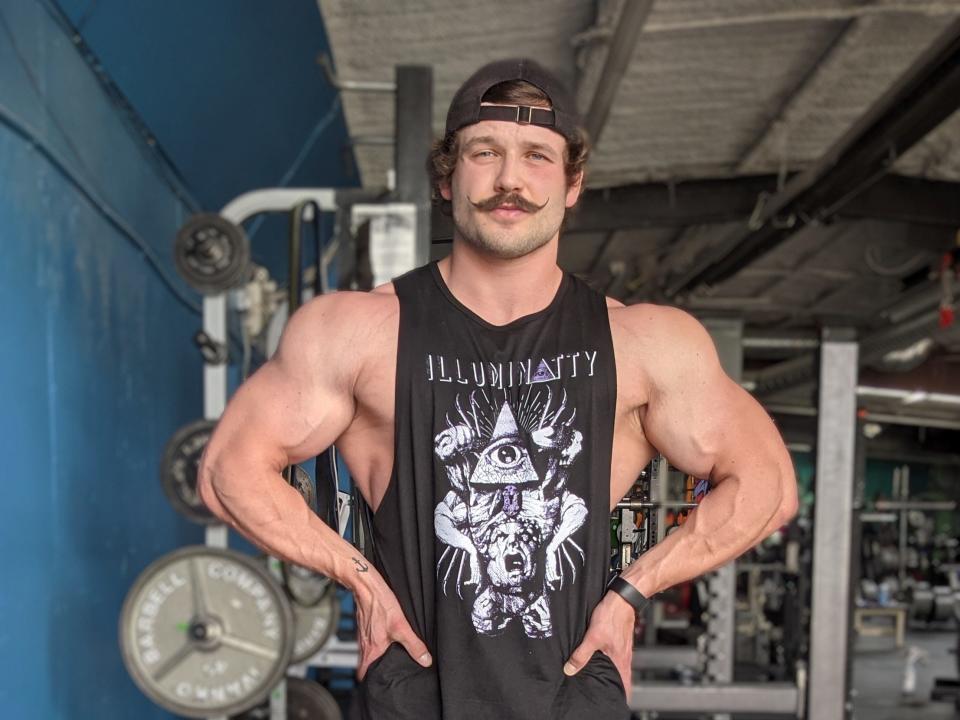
494,532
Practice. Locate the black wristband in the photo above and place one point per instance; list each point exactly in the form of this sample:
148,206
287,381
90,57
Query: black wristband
628,592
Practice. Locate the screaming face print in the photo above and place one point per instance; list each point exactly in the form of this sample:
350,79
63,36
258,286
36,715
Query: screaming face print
508,520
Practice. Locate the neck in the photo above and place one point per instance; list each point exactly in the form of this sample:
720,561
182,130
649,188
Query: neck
498,290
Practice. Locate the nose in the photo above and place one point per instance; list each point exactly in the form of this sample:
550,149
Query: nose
509,178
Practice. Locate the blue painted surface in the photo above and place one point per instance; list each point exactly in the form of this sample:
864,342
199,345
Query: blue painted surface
97,364
232,91
230,88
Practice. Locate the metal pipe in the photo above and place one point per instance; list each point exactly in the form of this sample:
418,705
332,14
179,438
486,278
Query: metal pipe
760,342
909,397
917,301
812,15
778,698
667,504
323,60
907,505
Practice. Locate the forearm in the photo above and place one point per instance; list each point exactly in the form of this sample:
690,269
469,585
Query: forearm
265,509
728,522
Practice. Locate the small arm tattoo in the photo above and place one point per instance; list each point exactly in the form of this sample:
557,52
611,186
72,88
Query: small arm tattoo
361,566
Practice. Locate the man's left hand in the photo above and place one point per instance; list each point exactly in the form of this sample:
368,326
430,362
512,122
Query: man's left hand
611,632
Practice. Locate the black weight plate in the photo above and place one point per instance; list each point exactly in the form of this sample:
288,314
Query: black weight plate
211,253
306,700
178,470
302,483
206,632
313,626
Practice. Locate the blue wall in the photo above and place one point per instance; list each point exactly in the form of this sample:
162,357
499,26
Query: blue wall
97,370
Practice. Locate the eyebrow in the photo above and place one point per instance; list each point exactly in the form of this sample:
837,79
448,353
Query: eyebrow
490,140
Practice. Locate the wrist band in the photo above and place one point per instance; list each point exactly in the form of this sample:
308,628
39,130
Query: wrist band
628,592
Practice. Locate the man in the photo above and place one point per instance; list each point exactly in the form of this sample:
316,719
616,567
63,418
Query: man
492,410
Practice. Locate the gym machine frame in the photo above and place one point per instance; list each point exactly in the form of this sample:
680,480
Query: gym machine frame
834,529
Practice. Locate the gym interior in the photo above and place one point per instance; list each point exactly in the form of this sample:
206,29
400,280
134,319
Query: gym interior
176,177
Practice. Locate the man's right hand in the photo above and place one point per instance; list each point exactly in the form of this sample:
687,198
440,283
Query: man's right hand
381,622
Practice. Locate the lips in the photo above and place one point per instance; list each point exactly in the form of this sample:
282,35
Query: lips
508,212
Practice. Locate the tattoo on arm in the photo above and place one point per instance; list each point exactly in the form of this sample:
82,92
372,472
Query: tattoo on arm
361,566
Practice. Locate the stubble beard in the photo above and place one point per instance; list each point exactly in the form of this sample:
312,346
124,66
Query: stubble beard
505,242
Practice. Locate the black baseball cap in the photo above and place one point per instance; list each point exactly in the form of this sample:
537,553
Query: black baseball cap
466,108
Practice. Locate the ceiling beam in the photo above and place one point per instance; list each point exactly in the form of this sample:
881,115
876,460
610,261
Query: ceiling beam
714,202
802,369
633,16
925,95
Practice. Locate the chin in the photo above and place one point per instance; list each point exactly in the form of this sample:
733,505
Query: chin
505,248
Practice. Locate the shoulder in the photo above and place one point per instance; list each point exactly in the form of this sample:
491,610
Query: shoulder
344,313
646,321
661,341
339,330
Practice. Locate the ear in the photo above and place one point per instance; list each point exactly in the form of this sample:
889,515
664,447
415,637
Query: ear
574,190
444,187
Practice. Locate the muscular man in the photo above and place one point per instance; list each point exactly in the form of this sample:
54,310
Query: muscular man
492,409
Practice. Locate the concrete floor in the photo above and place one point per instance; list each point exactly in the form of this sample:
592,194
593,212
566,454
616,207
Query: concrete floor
878,672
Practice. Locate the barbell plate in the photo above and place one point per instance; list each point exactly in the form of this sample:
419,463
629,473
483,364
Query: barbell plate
306,700
314,625
206,632
211,253
302,483
303,585
179,467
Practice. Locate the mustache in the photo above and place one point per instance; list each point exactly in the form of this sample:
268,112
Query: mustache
496,201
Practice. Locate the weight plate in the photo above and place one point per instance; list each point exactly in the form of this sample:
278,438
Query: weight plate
211,253
304,586
302,483
313,626
178,470
306,700
206,632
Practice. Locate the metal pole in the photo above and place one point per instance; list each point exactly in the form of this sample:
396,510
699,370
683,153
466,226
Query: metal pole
414,136
833,527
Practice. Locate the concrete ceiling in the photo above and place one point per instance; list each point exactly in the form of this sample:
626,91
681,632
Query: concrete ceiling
720,105
715,88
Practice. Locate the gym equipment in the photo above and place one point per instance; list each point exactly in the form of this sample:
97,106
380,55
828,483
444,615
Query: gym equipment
206,632
306,700
304,586
212,253
213,352
178,470
313,626
300,480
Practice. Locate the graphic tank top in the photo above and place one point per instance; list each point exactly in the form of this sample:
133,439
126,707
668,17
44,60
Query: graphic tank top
494,531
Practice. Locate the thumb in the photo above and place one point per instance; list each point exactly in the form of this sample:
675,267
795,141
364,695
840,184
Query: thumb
415,646
580,657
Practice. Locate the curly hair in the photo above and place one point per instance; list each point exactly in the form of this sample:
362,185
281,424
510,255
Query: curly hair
443,155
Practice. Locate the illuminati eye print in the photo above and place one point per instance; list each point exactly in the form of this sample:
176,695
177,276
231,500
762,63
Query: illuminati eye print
508,520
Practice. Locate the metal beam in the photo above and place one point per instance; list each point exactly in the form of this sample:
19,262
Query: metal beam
633,15
748,698
925,95
718,201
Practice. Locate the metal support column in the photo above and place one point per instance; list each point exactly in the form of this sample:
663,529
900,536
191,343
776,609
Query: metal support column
414,137
727,334
833,527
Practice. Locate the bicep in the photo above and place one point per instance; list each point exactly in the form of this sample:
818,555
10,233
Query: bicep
703,422
293,407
